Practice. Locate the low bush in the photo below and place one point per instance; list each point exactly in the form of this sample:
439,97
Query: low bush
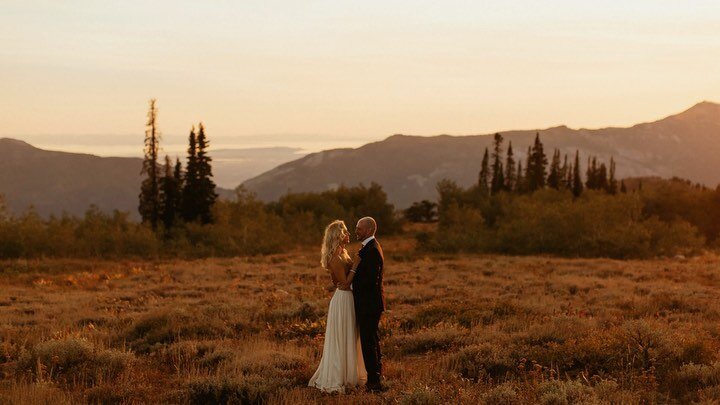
74,362
426,340
166,326
481,361
549,221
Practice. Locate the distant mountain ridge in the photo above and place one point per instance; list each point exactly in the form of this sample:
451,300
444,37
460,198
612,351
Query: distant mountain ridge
56,182
408,167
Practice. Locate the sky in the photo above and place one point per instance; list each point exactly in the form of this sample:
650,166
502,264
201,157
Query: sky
77,75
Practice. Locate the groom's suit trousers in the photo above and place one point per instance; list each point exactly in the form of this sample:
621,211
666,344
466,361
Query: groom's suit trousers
370,341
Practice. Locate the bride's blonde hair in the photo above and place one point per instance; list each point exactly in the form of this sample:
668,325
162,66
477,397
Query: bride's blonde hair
331,240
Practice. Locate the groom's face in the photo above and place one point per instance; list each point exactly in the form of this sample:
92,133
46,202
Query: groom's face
361,231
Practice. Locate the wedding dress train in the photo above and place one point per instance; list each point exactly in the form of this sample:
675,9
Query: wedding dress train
342,363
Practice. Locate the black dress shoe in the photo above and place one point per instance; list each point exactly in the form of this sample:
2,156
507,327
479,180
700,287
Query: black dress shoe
375,387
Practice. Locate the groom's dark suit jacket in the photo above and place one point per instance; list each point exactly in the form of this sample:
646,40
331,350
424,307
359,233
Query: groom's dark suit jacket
368,282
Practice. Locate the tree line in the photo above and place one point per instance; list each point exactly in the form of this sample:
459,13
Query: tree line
244,226
169,194
183,218
547,207
505,174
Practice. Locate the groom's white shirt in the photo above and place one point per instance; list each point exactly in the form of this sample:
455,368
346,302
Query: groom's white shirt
365,242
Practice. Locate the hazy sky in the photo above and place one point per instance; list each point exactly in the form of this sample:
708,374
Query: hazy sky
309,73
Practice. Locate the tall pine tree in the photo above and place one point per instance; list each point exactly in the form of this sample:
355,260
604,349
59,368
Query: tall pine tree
207,195
537,168
569,177
591,181
577,184
498,178
602,178
190,210
612,181
149,205
526,176
169,195
553,179
564,184
484,176
180,183
510,169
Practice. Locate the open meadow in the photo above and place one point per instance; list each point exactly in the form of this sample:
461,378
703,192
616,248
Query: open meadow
459,329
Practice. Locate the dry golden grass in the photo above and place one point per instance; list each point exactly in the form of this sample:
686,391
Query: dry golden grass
460,329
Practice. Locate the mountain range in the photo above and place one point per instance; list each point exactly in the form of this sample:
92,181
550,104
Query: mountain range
408,167
62,182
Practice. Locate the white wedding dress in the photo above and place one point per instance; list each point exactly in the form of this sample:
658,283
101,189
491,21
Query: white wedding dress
342,364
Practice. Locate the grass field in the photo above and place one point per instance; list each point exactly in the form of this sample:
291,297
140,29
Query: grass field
459,329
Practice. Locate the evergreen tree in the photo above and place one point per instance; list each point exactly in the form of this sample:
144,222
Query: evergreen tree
577,185
591,181
554,178
536,170
528,164
423,211
484,176
189,203
510,173
179,183
612,182
169,196
602,178
564,174
589,175
206,185
498,179
149,205
623,189
569,177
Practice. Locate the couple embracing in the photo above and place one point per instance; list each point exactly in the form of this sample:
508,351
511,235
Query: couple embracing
351,351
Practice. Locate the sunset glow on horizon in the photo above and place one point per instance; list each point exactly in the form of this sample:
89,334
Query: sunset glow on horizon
349,73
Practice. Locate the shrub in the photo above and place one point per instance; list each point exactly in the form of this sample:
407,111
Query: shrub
556,392
74,361
272,362
432,315
480,361
233,389
500,394
693,377
421,396
191,354
552,221
167,326
426,340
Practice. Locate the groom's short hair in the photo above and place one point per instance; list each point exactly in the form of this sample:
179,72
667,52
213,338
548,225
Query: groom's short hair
370,221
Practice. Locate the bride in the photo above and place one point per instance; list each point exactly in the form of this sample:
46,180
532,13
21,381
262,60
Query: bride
342,363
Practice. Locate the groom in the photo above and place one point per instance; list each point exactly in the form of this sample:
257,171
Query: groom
369,299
